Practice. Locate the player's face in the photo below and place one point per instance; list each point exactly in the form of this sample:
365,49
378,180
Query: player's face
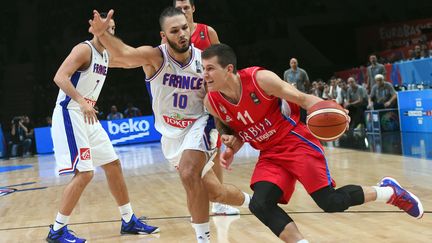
293,63
187,9
111,27
176,33
214,74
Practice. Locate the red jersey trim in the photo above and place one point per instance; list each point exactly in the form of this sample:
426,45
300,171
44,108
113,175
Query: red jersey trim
213,104
260,90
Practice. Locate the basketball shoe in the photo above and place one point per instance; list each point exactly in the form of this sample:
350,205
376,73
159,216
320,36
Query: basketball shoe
136,226
223,209
402,198
63,235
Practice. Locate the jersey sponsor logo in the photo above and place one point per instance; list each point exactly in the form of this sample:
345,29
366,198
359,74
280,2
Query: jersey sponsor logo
254,98
178,121
182,81
85,154
202,35
100,69
128,127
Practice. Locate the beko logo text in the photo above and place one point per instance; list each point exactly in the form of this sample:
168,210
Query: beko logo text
128,127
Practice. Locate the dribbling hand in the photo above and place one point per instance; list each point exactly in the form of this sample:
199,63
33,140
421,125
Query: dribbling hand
98,26
226,158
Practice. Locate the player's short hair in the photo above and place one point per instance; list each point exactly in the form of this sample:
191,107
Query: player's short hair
192,2
168,12
104,15
224,53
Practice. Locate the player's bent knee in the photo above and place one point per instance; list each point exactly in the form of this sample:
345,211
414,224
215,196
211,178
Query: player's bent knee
260,209
85,177
189,176
336,202
331,200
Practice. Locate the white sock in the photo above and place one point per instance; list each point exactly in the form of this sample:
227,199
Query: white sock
202,232
246,200
60,221
303,241
383,193
126,212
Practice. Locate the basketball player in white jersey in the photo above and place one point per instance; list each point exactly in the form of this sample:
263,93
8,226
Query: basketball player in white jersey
80,142
174,72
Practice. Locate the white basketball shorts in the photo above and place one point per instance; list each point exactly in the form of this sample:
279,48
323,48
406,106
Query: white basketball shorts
201,136
78,145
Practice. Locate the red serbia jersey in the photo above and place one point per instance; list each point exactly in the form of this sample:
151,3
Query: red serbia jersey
258,119
200,37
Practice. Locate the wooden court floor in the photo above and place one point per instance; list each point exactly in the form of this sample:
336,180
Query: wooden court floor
156,192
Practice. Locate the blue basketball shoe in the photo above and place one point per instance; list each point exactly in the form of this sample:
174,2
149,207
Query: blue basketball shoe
63,235
402,198
136,226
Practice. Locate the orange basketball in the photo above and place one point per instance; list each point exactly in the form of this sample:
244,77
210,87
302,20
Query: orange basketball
327,120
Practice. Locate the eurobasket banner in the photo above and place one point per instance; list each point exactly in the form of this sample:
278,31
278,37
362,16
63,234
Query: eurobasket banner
382,37
121,132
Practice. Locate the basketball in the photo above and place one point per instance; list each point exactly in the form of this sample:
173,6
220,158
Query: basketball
327,120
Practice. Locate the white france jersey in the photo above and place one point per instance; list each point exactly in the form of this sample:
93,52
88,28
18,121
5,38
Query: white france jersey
177,93
88,82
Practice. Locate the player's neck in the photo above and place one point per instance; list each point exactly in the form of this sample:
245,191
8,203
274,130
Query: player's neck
182,58
233,90
96,43
192,26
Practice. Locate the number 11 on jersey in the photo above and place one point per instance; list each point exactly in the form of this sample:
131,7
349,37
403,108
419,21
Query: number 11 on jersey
242,117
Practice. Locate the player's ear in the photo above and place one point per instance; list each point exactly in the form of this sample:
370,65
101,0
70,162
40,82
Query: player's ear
162,35
230,68
193,8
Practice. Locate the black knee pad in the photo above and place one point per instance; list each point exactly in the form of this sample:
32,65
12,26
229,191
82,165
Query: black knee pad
259,209
331,200
270,214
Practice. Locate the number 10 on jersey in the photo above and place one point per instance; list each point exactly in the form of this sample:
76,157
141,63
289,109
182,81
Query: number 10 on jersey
179,101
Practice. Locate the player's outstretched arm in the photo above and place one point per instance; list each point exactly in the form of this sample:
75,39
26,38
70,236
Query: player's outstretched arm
122,55
273,85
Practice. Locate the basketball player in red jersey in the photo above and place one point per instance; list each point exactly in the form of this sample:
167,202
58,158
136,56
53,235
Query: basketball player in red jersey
256,106
202,37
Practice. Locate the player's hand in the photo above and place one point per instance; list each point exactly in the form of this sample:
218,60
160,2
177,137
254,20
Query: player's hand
226,158
89,112
229,140
98,26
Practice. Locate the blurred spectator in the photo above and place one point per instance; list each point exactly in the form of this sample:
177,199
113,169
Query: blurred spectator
297,77
131,111
114,114
373,69
411,55
342,91
383,95
329,92
357,101
417,52
48,121
99,113
30,131
19,138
